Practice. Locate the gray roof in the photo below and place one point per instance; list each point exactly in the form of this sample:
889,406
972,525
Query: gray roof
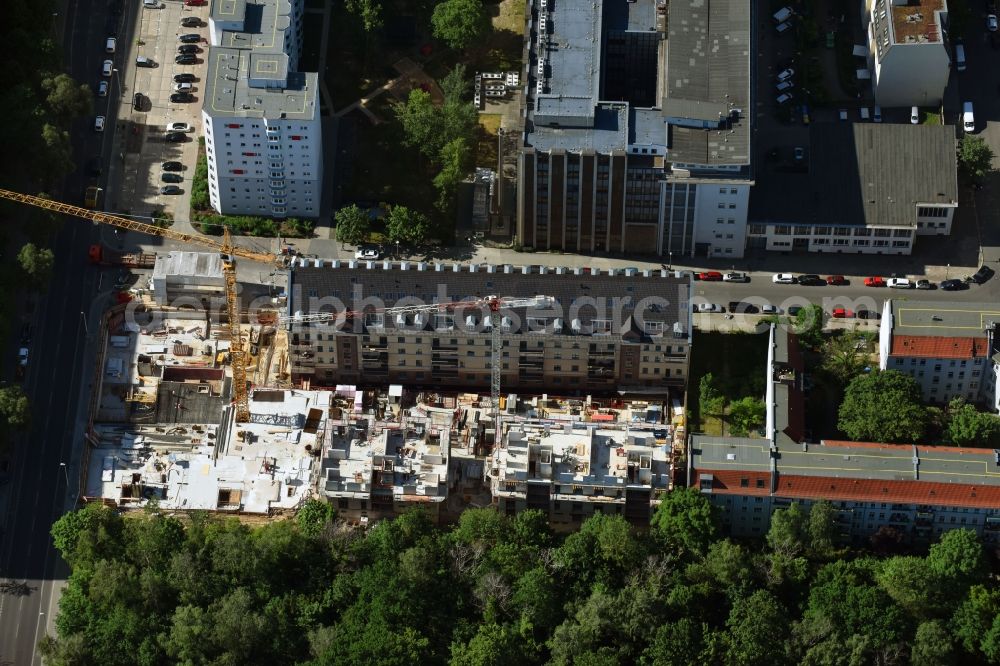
847,460
578,297
249,74
863,174
708,79
939,319
185,263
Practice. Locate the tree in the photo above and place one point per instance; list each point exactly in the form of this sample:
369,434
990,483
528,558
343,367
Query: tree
455,85
808,325
746,414
456,162
958,557
369,11
976,618
352,224
493,645
58,151
756,629
912,584
422,122
975,157
67,98
404,225
967,426
37,263
677,643
788,532
882,406
710,399
460,23
822,529
14,408
314,516
845,356
684,521
932,645
726,566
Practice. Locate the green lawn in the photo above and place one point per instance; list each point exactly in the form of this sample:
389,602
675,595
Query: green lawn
737,361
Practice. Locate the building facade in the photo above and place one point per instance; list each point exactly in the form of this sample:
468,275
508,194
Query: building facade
605,331
952,351
648,151
908,52
263,137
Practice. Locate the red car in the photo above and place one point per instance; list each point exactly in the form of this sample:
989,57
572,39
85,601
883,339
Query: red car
836,279
842,313
195,3
710,276
874,282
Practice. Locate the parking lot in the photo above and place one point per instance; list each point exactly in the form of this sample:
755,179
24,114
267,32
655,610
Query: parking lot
140,143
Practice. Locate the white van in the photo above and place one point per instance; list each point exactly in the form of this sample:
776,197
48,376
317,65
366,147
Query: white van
968,119
960,57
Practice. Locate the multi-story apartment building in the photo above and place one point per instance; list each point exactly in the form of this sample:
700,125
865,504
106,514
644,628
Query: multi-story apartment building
919,491
574,470
261,117
907,51
606,331
637,127
951,350
861,188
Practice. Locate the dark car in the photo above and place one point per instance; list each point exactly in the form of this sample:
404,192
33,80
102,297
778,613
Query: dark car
864,313
187,49
741,307
172,166
178,98
190,22
982,275
811,280
26,334
952,285
186,59
137,101
175,137
186,77
168,177
190,38
793,310
94,167
171,189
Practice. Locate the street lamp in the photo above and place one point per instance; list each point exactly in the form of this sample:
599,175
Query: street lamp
670,260
65,473
83,318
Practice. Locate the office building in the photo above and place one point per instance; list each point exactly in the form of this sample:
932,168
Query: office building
606,331
907,51
261,117
860,188
637,128
952,350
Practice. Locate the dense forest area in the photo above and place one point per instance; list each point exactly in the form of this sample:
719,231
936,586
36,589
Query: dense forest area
155,589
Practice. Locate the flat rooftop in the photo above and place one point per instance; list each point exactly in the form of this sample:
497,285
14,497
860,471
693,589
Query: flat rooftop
872,174
917,21
926,318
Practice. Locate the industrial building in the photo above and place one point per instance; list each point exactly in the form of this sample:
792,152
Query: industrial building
860,188
953,351
610,331
263,135
916,491
187,278
637,127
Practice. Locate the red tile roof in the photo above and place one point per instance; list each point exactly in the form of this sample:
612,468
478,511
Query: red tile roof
921,346
730,482
877,490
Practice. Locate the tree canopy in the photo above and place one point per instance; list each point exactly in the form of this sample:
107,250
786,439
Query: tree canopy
883,406
975,157
353,224
405,225
967,426
460,23
808,325
37,263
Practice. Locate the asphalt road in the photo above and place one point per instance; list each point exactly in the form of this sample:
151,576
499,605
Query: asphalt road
39,486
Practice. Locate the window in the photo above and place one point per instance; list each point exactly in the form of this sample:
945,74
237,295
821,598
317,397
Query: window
602,326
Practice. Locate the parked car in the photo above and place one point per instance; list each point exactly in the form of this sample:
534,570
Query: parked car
784,98
168,177
143,61
982,275
991,22
107,67
709,276
99,124
952,285
183,87
181,97
811,280
137,101
186,59
799,153
190,22
186,77
195,3
175,137
188,49
836,280
189,38
102,88
368,253
786,74
794,310
171,189
153,4
26,334
783,278
770,309
179,127
899,283
172,166
841,313
925,284
110,44
874,282
914,115
865,313
735,277
784,85
710,307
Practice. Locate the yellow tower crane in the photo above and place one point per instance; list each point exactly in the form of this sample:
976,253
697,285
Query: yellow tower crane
225,247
